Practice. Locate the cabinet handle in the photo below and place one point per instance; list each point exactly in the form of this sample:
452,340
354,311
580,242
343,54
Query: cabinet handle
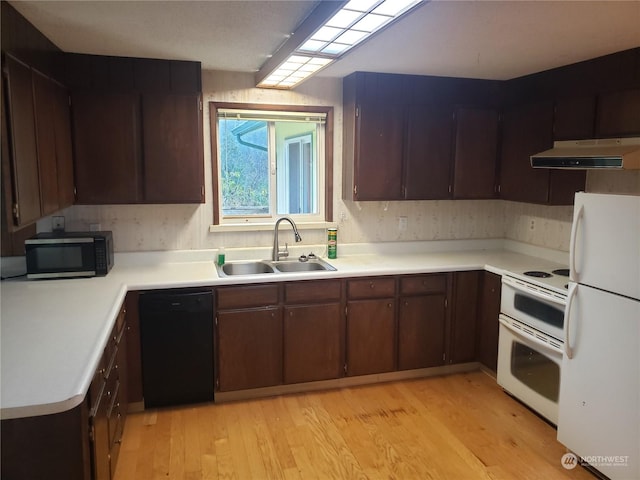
388,305
406,304
371,285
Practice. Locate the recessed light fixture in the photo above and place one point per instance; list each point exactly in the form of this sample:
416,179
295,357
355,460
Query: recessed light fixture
329,32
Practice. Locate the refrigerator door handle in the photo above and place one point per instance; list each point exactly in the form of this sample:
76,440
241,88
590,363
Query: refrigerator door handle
573,288
573,273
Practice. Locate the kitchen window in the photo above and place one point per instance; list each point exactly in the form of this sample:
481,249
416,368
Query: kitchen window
270,161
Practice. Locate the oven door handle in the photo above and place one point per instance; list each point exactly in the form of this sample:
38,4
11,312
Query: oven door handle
534,293
529,337
573,273
573,288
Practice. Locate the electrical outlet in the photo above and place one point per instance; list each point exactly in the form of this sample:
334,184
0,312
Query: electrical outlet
95,227
532,225
57,224
403,222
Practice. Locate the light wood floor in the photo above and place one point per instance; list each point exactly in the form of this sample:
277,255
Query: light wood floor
460,426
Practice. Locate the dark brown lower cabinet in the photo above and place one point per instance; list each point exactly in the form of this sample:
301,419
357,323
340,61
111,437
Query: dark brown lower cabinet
371,345
108,403
488,326
313,330
249,348
313,342
79,444
422,320
462,334
47,446
421,324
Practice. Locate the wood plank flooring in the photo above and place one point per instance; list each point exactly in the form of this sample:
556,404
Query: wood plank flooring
459,426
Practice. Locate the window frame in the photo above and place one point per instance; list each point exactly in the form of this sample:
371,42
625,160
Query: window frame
328,151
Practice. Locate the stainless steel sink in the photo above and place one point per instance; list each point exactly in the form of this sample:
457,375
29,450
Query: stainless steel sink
245,268
267,266
308,266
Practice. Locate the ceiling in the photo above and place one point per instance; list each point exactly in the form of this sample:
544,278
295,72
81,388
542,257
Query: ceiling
477,39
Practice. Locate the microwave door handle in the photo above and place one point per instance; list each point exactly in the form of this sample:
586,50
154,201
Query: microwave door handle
528,337
573,273
573,289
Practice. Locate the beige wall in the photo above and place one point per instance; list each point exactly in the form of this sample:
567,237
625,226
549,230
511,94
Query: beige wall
167,227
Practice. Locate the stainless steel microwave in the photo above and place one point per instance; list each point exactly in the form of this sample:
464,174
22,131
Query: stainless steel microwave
69,254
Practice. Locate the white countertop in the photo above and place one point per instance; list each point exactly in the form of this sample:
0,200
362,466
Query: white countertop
53,332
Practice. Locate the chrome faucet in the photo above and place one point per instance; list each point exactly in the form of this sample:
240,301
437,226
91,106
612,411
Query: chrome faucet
277,254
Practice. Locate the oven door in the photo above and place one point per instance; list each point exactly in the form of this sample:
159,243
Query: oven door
532,305
529,367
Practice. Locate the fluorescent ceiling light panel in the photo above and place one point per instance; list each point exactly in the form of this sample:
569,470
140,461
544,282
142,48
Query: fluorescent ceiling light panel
325,42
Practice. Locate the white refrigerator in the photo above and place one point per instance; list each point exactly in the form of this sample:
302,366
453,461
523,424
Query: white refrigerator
599,404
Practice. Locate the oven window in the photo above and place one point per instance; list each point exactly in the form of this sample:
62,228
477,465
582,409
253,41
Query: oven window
540,310
536,371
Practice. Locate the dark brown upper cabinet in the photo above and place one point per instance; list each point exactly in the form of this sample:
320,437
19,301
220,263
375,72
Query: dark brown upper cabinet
107,147
427,158
39,176
399,138
618,114
475,153
526,129
574,118
378,154
173,149
25,204
138,130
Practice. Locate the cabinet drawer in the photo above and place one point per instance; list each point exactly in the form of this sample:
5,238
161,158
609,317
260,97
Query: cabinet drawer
248,296
372,287
312,292
435,283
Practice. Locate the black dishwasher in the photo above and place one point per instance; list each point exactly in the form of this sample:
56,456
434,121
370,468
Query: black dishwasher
176,330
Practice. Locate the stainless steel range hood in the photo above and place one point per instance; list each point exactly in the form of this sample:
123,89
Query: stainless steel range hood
606,153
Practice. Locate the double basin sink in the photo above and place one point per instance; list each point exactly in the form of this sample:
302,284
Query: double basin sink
273,267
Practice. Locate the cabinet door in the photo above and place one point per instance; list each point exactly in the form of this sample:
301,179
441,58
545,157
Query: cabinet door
574,118
64,146
106,140
526,130
43,95
488,325
370,336
421,324
462,343
428,153
249,348
173,149
312,342
476,154
133,347
22,132
618,114
378,151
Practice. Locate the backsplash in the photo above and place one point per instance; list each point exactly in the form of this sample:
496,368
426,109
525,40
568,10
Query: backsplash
186,227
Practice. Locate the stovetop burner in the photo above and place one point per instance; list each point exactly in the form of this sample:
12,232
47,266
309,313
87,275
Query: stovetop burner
537,274
563,272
